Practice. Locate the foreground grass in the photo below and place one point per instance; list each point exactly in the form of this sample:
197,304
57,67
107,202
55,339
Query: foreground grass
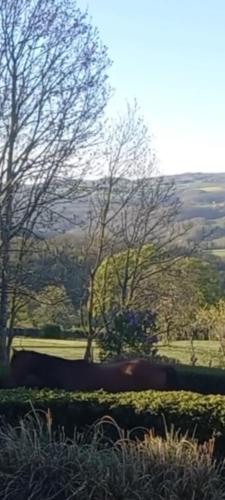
206,352
34,465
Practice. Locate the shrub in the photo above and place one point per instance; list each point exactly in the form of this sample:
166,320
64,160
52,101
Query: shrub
35,465
128,332
149,409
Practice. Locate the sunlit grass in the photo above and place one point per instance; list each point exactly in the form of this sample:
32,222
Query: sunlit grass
220,252
206,352
211,189
69,349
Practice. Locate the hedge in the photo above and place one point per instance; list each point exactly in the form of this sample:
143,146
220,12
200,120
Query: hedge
149,409
201,379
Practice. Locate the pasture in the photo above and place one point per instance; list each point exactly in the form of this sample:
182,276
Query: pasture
207,352
212,188
218,252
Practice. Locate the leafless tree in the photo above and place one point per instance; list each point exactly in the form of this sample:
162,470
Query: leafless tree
53,90
130,207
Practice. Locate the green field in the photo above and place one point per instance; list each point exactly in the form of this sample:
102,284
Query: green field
206,352
219,252
211,189
69,349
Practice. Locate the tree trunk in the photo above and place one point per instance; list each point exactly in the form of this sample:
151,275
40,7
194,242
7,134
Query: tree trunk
88,356
6,222
88,352
6,225
4,299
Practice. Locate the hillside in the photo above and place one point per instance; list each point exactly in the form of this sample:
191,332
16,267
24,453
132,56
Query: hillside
202,198
203,205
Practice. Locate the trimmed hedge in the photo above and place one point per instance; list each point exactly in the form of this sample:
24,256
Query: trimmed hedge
201,379
149,409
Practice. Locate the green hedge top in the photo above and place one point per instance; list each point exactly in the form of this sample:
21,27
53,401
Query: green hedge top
149,409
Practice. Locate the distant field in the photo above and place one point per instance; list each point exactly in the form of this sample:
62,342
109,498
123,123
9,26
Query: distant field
219,252
210,189
207,352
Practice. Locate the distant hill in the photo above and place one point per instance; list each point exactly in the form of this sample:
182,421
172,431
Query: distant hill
203,204
202,198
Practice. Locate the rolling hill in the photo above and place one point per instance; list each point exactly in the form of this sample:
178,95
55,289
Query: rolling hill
203,205
202,198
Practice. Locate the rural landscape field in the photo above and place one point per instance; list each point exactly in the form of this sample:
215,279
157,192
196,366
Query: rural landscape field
112,250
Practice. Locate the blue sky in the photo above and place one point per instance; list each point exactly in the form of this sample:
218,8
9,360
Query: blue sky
170,55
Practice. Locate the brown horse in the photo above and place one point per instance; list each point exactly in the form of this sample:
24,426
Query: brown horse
32,369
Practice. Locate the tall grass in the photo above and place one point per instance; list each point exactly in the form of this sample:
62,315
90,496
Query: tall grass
34,465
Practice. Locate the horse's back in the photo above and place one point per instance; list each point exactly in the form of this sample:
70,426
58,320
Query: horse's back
35,369
134,375
31,368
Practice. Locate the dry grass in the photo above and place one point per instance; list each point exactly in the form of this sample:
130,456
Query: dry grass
35,466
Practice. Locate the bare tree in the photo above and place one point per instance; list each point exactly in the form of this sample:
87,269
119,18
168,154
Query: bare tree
131,206
53,90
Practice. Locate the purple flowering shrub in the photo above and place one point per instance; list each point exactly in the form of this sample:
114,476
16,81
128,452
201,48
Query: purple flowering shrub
129,333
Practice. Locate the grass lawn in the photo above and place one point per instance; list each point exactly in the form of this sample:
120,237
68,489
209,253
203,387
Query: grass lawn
69,349
206,352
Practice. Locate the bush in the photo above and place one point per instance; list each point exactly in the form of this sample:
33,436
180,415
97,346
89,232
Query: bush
35,465
129,332
148,409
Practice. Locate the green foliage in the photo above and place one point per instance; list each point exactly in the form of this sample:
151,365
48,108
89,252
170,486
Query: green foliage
140,279
187,411
211,320
207,279
117,277
52,306
189,285
60,263
21,313
128,333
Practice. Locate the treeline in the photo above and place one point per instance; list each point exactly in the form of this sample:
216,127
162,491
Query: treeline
186,294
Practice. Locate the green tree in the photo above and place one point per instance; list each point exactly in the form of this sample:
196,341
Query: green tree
174,289
121,278
188,285
211,321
